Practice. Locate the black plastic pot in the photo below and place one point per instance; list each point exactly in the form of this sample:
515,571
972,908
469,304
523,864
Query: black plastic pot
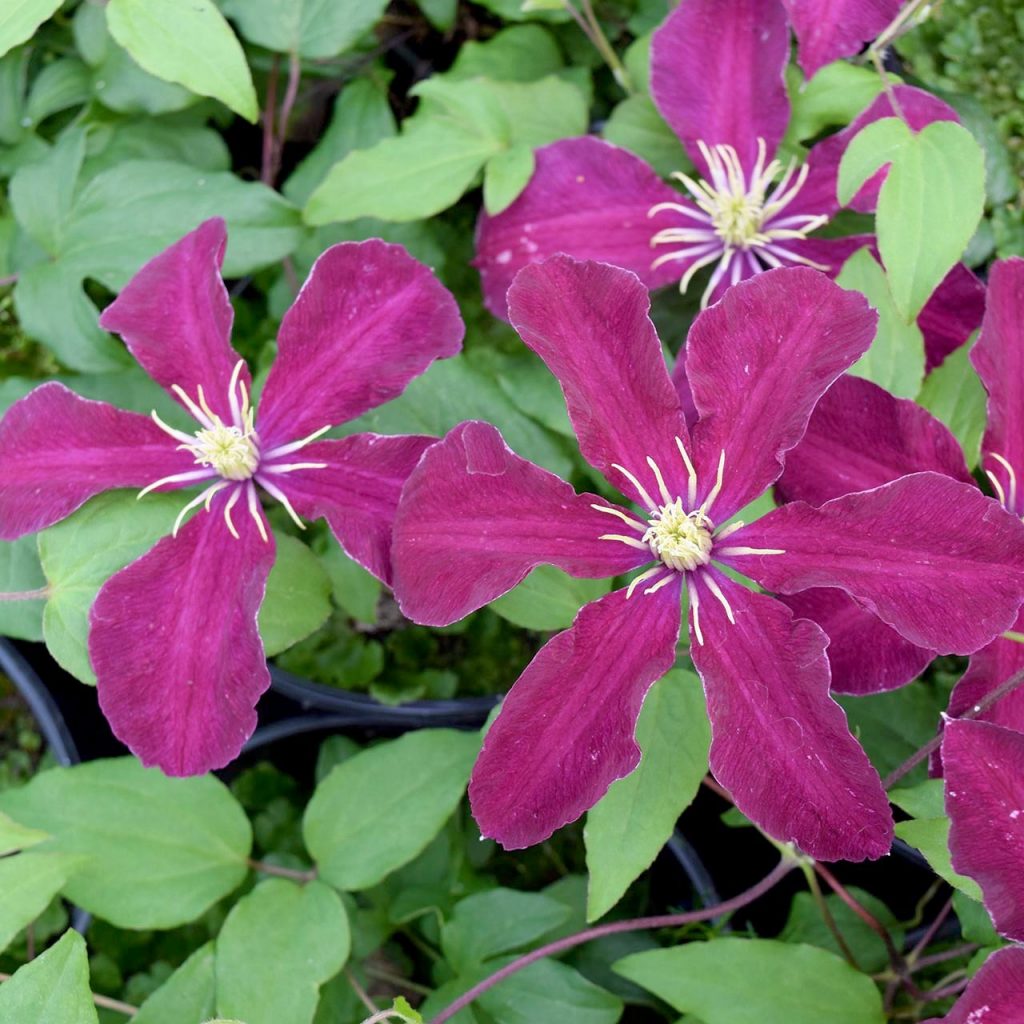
362,710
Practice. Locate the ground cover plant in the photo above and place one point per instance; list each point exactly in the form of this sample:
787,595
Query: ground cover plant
384,385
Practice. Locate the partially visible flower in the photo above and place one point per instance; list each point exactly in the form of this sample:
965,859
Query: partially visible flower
985,801
994,995
474,519
829,29
860,437
173,639
717,77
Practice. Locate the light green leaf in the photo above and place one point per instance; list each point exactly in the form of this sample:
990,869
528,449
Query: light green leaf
548,599
29,881
627,828
929,206
278,945
928,831
409,177
187,995
362,117
550,991
315,29
189,43
895,360
52,989
298,596
835,95
636,125
505,176
756,981
20,572
379,809
82,552
20,18
159,851
15,837
64,83
497,921
954,394
354,589
520,53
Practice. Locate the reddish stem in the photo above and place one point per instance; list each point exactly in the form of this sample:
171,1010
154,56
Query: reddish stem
635,924
267,169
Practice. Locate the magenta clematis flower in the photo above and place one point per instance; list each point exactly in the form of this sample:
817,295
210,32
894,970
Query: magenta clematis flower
861,437
474,519
994,995
717,76
985,803
173,637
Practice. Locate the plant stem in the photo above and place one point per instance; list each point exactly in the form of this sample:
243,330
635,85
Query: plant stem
930,932
364,996
826,914
267,164
26,595
287,104
964,949
636,924
591,28
103,1001
1005,687
9,279
295,874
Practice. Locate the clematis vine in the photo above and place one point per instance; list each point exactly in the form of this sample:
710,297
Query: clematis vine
717,77
994,994
861,437
474,519
173,636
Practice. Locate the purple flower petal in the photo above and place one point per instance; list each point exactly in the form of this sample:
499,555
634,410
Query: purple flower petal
475,518
827,30
717,75
999,359
175,318
780,744
865,655
58,450
861,437
985,803
587,198
831,253
989,668
356,492
952,314
173,640
565,731
994,995
589,322
932,557
369,319
757,362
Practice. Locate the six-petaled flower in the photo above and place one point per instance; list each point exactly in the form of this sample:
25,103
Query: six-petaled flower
173,636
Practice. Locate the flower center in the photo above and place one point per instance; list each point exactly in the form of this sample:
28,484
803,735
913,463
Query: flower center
681,539
736,222
229,451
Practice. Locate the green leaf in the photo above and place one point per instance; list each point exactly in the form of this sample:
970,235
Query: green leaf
458,389
354,589
64,83
756,981
298,596
52,989
975,923
806,924
362,117
636,125
928,831
929,206
627,828
159,851
487,924
895,360
21,572
82,552
379,809
15,837
835,95
520,53
278,945
315,29
550,991
188,43
505,176
548,599
954,394
187,995
121,219
20,18
29,881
